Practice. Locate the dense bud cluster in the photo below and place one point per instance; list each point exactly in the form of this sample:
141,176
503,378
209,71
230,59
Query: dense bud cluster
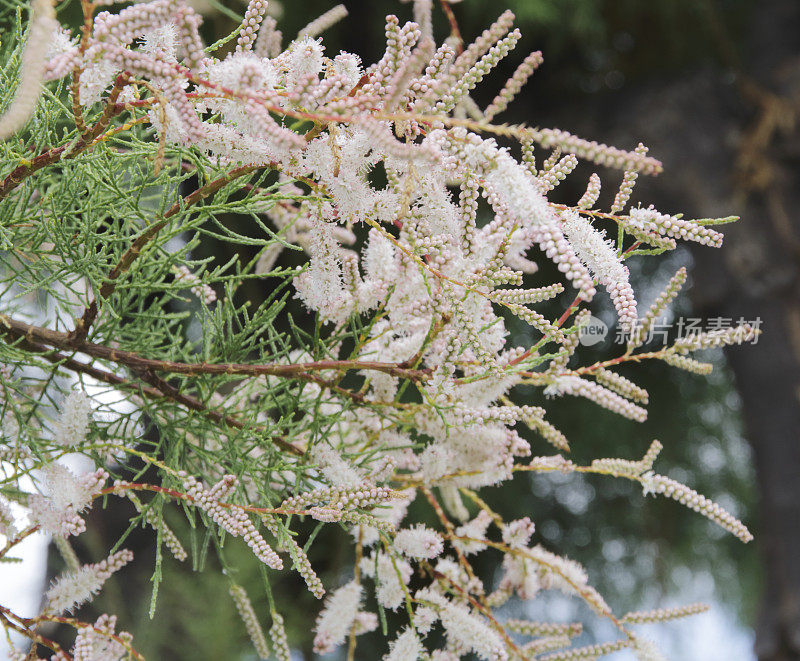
650,220
277,635
76,588
101,641
57,510
250,619
659,484
233,520
340,499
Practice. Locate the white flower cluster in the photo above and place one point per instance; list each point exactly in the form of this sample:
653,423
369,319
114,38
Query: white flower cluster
73,422
389,159
158,41
406,647
337,617
75,588
427,262
419,542
391,575
57,510
101,641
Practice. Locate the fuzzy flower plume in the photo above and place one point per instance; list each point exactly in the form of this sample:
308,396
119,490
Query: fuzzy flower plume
406,647
518,533
468,632
65,496
73,421
75,588
476,529
646,650
600,257
391,575
337,617
419,542
336,470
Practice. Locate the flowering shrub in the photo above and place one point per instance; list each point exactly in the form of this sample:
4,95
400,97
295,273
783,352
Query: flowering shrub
123,344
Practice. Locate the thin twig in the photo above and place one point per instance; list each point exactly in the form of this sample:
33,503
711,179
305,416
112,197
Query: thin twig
478,606
19,624
28,168
83,324
61,340
351,644
86,29
171,393
455,32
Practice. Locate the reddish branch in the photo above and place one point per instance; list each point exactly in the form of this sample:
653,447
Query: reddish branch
11,543
46,342
478,606
23,626
170,392
449,527
22,172
58,339
454,30
166,391
179,495
27,627
77,624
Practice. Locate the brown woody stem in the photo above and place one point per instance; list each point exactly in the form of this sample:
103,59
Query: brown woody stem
153,391
58,339
22,172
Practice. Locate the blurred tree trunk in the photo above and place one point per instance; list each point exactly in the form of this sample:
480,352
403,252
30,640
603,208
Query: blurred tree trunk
730,145
762,280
